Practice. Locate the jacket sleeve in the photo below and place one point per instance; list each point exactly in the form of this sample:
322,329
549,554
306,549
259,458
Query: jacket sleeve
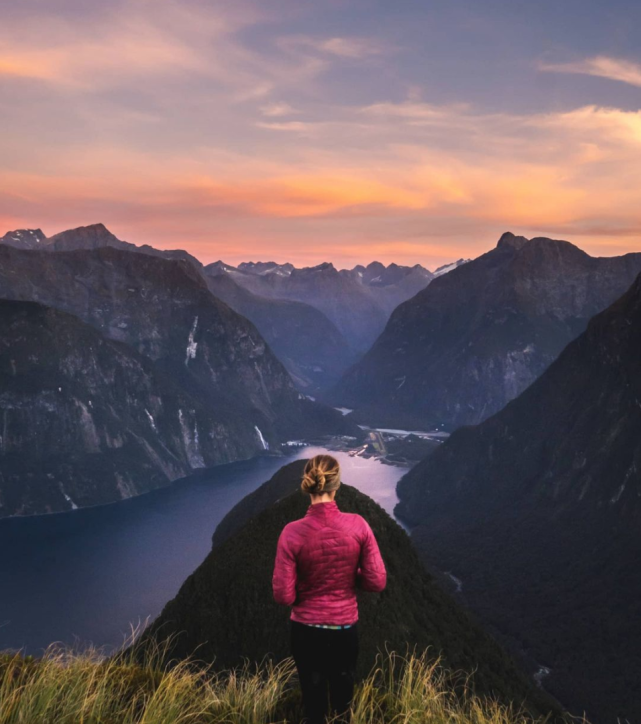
284,578
371,574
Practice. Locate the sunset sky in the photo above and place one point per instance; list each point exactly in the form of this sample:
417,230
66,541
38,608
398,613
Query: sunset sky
332,130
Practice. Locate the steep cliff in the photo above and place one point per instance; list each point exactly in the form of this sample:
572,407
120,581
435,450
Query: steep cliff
356,301
537,510
164,310
477,336
85,420
310,347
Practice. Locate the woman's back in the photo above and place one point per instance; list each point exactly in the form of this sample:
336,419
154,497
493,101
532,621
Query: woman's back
320,559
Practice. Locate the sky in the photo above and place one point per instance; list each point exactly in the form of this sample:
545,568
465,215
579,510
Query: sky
325,130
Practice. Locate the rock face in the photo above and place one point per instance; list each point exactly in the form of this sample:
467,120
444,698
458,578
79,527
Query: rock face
354,304
93,236
477,336
310,347
86,420
537,510
225,610
357,301
163,310
346,309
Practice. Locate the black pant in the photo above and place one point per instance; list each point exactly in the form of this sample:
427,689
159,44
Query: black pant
324,658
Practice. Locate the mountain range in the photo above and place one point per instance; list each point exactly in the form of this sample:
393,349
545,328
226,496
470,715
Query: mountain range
460,349
93,236
163,311
292,308
318,320
358,301
311,348
537,509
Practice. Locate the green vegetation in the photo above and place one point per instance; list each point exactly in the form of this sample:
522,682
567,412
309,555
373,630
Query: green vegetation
66,687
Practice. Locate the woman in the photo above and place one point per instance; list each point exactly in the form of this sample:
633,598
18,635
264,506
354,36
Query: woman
320,560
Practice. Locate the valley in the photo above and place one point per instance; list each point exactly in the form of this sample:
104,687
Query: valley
146,396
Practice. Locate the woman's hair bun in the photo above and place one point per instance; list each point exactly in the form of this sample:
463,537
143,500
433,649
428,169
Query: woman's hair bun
321,475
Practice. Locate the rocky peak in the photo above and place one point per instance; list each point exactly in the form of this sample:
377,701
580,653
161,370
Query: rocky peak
471,341
24,238
84,237
540,247
219,267
325,266
376,266
509,240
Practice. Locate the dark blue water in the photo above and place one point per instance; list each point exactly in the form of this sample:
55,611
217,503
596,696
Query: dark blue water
86,575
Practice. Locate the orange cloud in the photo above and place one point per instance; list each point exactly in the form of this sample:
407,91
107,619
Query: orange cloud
173,130
306,195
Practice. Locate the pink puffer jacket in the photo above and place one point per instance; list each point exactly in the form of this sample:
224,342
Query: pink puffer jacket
320,560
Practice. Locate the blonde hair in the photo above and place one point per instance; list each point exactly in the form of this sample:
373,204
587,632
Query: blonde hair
322,474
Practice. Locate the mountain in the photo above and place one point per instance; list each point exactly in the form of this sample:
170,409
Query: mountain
391,284
86,237
449,267
265,267
476,337
376,274
537,511
24,238
292,329
219,267
164,310
310,347
358,301
87,420
93,236
355,301
224,612
348,304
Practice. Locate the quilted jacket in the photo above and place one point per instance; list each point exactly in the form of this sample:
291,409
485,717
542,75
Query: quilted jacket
321,559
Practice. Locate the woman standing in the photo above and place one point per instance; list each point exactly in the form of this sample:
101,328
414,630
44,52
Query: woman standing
320,560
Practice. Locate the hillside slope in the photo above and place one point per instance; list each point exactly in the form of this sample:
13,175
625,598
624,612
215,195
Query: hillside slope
86,420
477,336
164,310
310,347
357,308
225,611
537,510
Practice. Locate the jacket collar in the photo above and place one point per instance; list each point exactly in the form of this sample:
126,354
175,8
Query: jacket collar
327,508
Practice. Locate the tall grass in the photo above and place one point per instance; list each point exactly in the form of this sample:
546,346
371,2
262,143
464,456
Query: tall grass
66,687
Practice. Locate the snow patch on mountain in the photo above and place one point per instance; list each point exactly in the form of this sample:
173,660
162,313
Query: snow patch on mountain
191,345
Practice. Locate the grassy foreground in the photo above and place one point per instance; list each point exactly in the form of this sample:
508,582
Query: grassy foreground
66,687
